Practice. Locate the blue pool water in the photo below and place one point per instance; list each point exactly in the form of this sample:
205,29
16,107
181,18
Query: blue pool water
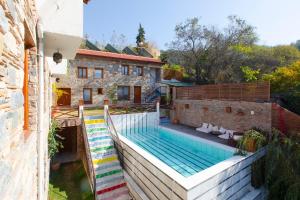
181,152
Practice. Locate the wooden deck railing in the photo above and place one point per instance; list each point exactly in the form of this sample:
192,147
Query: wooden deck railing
232,91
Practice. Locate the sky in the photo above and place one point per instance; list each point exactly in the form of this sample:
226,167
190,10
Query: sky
276,21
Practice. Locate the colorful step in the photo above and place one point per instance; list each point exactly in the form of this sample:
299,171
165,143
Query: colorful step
110,184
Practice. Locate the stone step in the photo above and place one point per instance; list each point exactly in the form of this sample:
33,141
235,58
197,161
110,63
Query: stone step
93,121
98,129
94,117
103,143
104,154
98,162
92,126
118,192
97,138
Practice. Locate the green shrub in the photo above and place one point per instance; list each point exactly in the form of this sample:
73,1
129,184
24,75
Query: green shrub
282,167
252,140
54,142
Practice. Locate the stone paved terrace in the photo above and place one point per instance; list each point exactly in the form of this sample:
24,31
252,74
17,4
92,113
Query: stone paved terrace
192,131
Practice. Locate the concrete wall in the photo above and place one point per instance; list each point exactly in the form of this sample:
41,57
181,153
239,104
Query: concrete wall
18,148
112,75
234,115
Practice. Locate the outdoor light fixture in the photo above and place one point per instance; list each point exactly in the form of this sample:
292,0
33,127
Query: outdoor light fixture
57,57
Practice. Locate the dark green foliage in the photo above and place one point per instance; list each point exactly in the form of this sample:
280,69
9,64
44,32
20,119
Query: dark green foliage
282,167
70,182
140,38
258,173
54,142
297,44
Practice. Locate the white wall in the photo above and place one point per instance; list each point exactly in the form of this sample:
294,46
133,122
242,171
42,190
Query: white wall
60,68
62,22
62,16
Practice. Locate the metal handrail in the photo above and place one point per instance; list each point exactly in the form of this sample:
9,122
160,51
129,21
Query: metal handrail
89,157
111,125
152,92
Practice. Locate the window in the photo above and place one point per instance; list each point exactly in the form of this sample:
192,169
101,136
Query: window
125,69
139,71
100,91
123,93
82,72
87,95
98,73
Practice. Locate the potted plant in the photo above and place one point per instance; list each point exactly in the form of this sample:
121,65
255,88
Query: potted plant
54,143
251,141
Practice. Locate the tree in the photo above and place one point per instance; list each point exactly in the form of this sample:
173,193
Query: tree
285,85
118,41
140,38
285,79
297,44
208,51
250,75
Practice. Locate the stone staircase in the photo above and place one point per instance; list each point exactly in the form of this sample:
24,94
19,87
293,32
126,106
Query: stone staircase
110,183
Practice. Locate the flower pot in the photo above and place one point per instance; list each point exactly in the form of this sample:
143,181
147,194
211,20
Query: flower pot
106,102
250,146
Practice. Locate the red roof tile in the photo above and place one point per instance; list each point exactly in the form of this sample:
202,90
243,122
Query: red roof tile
104,54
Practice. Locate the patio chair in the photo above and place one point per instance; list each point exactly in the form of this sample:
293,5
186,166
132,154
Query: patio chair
205,128
228,134
222,130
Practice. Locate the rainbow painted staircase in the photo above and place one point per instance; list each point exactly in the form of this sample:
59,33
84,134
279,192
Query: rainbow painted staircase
109,178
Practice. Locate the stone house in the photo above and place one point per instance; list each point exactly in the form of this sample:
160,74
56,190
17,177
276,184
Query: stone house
29,35
94,76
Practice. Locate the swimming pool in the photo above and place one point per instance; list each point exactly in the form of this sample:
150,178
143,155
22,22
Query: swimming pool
179,151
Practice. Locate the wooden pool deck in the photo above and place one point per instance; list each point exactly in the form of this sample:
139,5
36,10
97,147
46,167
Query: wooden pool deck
192,131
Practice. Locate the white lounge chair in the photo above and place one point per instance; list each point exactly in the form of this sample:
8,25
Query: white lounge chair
215,129
222,130
228,134
205,128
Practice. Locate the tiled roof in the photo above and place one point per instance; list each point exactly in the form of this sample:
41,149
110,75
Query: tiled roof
104,54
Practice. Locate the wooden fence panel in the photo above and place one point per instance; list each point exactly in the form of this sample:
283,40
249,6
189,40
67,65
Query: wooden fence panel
238,91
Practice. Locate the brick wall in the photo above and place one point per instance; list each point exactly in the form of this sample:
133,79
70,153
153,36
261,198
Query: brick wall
18,152
234,115
112,75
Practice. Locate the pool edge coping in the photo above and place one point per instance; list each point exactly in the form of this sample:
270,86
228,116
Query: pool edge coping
192,181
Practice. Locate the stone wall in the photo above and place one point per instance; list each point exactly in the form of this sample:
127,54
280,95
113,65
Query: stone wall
234,115
112,75
18,148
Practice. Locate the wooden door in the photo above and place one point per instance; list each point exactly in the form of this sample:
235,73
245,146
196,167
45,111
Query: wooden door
137,94
64,97
87,96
